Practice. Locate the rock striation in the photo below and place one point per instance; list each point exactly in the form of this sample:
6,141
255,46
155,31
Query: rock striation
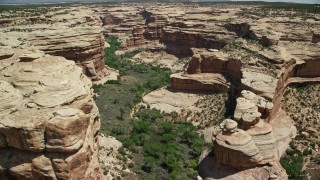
127,23
71,32
48,120
246,142
295,71
179,41
84,45
209,71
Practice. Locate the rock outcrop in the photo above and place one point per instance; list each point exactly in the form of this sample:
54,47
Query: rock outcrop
258,82
210,71
193,38
48,120
307,70
84,45
246,142
62,31
127,23
235,147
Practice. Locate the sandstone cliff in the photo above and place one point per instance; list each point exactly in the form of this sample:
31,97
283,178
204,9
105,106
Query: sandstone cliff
210,71
246,142
70,32
84,45
49,121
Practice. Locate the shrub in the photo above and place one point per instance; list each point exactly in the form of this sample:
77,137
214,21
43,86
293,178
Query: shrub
153,149
166,128
178,175
113,82
149,164
130,165
167,138
141,126
293,165
118,130
122,151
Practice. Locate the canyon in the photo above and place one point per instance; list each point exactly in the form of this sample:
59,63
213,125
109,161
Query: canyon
237,72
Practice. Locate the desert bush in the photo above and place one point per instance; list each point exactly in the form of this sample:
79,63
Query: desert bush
293,166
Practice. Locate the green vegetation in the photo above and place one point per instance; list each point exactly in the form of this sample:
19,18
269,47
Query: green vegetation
293,165
117,98
160,149
163,149
300,87
301,102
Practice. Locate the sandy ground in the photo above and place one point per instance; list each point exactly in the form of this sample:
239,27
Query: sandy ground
160,58
168,101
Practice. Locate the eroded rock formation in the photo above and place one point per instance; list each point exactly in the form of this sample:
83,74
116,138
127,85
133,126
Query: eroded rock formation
84,45
48,120
246,142
62,31
209,71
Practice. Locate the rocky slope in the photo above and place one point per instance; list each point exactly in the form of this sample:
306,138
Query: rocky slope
49,121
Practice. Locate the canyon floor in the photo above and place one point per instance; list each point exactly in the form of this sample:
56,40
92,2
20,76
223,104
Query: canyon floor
178,91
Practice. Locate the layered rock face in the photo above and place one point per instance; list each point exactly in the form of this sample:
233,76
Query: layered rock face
189,27
246,142
48,120
127,23
258,82
155,24
193,37
295,71
70,32
200,82
179,30
208,71
239,28
84,45
235,147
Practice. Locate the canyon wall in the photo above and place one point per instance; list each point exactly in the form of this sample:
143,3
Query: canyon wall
71,32
84,45
127,24
200,82
49,121
209,71
179,40
294,72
